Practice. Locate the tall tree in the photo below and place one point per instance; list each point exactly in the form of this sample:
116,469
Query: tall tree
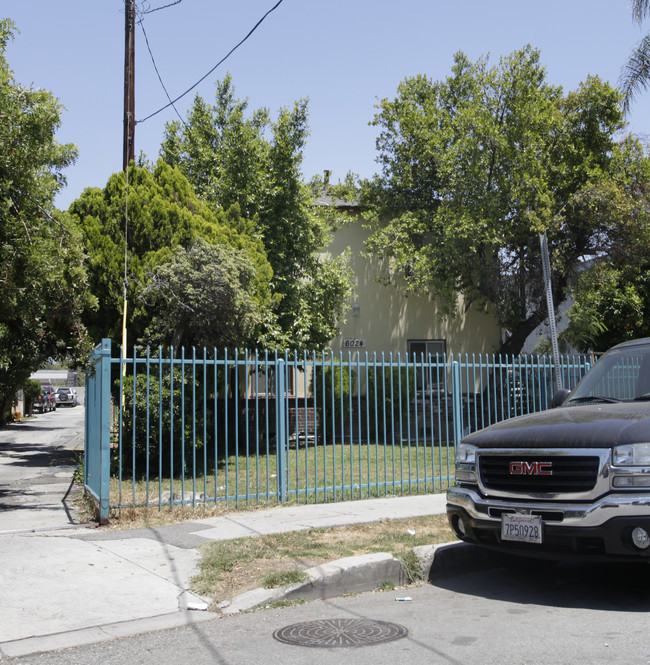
158,212
475,167
612,292
635,75
234,157
43,289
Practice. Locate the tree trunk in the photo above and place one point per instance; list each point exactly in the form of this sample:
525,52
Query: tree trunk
516,341
5,409
177,337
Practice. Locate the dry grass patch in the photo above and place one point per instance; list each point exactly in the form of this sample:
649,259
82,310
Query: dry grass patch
143,517
228,568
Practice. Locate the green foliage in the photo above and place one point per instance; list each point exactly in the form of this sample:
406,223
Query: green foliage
611,293
319,304
635,74
609,308
204,296
232,158
43,287
32,389
475,167
164,214
282,578
159,425
411,566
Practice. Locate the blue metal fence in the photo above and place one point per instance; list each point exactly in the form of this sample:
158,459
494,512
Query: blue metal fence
194,428
98,428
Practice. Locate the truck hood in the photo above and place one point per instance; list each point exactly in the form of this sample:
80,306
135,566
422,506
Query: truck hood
580,426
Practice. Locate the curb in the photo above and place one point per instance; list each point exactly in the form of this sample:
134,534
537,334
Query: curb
349,575
104,633
364,573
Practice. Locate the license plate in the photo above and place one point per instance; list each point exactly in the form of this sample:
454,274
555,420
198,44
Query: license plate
521,528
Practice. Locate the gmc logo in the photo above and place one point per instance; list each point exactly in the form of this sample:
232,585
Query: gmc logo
531,468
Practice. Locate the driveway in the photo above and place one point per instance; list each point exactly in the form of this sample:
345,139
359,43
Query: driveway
37,462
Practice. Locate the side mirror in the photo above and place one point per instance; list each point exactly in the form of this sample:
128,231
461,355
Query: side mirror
559,397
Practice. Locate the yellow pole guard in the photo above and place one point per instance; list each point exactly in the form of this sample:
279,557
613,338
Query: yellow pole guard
124,346
124,335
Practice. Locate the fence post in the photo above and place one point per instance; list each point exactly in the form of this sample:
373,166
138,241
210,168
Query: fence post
281,404
98,429
457,401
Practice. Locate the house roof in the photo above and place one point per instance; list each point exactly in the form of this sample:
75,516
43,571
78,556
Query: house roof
325,199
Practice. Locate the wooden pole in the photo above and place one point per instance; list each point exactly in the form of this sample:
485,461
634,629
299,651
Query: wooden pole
129,84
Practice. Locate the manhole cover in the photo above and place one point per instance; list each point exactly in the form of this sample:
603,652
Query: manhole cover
330,633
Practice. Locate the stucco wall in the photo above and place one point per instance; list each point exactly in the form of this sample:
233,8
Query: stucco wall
386,319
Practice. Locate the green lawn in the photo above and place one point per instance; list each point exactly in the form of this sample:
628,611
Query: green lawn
313,473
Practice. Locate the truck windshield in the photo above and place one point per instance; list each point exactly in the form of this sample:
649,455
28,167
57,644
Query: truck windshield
620,375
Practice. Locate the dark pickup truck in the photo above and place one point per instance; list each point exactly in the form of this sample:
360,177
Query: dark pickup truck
570,481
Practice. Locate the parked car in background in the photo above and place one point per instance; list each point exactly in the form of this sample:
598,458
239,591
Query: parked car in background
66,397
42,403
50,392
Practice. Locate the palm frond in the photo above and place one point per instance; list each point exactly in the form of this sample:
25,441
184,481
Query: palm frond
635,75
640,9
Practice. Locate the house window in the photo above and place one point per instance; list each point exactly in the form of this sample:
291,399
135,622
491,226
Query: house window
428,379
426,347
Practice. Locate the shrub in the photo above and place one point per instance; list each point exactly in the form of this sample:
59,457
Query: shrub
160,424
31,389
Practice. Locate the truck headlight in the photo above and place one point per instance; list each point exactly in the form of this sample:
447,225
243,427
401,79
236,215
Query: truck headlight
466,454
632,454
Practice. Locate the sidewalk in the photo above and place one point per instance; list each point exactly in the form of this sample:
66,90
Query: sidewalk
63,586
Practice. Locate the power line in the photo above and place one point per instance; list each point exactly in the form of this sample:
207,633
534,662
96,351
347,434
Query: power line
232,50
157,9
155,66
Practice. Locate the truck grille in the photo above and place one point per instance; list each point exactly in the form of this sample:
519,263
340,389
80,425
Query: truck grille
567,474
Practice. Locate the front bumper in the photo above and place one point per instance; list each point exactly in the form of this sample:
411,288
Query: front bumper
601,529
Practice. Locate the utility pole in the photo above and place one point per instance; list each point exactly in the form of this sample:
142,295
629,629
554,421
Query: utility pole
129,83
546,268
129,136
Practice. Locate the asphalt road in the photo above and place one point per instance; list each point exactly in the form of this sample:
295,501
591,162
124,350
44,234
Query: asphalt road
499,611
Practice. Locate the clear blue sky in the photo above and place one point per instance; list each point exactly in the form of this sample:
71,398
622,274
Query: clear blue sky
344,55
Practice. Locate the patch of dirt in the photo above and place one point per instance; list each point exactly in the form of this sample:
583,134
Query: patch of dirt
249,576
151,516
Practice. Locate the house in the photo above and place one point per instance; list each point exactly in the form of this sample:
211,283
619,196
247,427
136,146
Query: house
381,319
55,377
